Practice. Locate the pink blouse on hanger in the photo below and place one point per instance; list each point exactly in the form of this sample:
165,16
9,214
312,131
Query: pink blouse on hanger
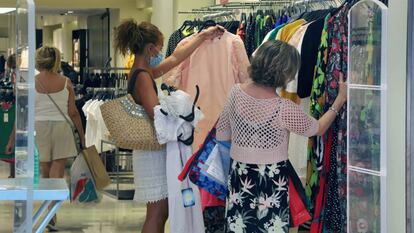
216,66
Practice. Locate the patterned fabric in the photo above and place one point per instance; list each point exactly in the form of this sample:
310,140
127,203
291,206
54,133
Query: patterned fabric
259,128
195,171
259,29
315,145
335,215
175,38
258,198
214,219
241,31
250,38
268,25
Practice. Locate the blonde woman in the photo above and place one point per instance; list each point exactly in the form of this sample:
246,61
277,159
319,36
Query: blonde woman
54,136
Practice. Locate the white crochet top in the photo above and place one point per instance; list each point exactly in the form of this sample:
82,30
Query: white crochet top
259,128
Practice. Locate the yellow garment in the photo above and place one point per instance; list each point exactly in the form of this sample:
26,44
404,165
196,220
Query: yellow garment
130,61
286,33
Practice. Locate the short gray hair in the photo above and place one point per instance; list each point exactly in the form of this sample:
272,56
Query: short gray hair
274,64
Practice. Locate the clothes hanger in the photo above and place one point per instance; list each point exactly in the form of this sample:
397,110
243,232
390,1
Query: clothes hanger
189,141
191,116
207,24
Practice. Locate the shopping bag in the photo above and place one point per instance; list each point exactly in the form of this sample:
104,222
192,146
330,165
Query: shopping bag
82,185
96,167
198,171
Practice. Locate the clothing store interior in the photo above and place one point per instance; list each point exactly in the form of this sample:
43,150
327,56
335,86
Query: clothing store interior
215,116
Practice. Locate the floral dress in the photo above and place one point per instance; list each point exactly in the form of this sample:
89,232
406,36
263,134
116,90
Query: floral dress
258,199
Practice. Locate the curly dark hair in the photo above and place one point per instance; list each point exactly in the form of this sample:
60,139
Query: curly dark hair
131,37
274,64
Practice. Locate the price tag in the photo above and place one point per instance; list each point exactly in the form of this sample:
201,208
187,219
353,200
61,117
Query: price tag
188,197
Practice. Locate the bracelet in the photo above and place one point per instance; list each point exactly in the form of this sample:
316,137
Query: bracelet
334,110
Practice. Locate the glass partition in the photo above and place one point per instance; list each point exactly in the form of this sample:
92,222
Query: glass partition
366,117
24,87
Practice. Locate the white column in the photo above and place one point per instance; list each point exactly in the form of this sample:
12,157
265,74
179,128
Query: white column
163,17
396,123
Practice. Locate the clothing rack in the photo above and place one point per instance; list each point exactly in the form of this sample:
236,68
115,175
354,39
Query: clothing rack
105,92
105,77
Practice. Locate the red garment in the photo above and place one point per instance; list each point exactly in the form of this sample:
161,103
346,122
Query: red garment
317,223
209,200
298,211
241,31
9,160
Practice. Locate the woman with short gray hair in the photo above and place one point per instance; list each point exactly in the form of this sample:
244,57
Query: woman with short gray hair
258,122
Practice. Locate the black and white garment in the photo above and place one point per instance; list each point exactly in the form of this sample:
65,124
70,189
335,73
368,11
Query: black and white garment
258,200
175,38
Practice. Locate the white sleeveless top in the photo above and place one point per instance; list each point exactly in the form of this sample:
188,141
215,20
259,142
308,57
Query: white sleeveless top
47,111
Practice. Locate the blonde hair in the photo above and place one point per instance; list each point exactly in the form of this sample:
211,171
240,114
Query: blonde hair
274,64
48,59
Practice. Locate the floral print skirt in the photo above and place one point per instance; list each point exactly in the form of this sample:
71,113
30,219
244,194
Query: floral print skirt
258,199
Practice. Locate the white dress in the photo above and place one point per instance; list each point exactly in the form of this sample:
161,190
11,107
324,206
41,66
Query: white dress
150,176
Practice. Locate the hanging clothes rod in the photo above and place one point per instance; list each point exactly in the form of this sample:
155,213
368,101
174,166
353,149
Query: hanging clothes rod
193,12
251,4
219,14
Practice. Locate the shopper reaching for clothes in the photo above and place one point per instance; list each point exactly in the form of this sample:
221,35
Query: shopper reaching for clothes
257,122
145,42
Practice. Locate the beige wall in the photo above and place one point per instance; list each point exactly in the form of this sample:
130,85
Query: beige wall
187,5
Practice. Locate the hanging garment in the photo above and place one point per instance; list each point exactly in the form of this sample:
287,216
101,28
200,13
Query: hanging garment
241,31
286,33
175,38
332,208
336,204
315,148
309,53
170,128
7,118
268,25
250,36
298,143
296,41
96,130
215,67
259,31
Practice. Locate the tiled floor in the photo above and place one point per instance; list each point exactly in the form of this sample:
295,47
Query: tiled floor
110,216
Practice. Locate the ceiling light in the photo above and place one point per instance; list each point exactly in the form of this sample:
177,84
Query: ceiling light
71,12
5,10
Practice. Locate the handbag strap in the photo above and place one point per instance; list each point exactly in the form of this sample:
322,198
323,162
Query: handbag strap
74,130
57,106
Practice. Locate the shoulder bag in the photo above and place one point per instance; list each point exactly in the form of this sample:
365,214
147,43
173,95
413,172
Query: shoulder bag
91,155
128,123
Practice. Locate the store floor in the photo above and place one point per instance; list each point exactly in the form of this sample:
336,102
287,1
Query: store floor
109,216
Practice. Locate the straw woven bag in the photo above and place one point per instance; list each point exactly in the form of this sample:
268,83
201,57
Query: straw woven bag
129,125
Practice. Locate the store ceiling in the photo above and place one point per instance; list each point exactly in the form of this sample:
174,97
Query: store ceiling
74,12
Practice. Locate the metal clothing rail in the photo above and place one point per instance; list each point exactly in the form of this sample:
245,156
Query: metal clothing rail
264,3
107,68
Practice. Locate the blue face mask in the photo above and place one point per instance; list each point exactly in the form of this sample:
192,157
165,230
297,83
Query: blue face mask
155,61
